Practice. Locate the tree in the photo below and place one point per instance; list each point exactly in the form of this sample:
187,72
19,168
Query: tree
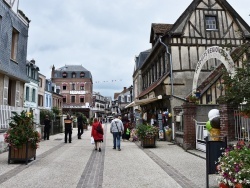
237,88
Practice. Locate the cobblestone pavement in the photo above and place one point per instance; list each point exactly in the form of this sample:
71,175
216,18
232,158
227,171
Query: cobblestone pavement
77,164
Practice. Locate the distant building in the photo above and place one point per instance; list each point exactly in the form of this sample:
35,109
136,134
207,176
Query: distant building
31,90
75,84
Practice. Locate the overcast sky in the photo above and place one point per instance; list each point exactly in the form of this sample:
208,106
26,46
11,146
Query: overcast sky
103,36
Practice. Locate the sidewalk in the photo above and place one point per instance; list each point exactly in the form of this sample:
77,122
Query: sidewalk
77,164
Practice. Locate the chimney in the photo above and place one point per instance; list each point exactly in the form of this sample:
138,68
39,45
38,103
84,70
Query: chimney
124,88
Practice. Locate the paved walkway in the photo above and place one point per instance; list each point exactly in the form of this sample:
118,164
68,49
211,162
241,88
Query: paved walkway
78,165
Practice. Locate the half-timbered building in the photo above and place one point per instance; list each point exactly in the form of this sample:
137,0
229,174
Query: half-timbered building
177,48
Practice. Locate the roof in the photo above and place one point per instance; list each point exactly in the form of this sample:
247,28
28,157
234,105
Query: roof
72,68
140,59
116,95
159,29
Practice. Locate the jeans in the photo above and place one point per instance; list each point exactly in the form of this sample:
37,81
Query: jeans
117,139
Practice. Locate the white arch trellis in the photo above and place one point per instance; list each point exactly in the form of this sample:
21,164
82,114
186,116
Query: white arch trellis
213,52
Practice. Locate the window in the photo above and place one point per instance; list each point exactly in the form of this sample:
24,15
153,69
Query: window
82,75
33,95
27,93
40,82
211,23
64,75
73,74
14,43
81,87
40,100
64,99
64,87
73,86
81,99
73,99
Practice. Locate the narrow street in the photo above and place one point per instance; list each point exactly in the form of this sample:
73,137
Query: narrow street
77,164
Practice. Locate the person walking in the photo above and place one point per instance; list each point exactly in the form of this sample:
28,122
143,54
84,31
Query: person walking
68,128
47,126
97,133
116,128
80,125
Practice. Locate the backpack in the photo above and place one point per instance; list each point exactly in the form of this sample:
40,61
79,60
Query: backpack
99,128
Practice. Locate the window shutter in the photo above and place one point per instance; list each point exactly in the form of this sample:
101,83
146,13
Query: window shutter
17,93
5,90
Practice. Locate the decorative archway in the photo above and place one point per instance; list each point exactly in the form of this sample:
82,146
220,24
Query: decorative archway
210,53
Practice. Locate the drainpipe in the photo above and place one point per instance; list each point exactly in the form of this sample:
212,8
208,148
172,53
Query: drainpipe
171,66
171,70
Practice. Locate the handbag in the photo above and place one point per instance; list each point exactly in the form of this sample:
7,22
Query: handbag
92,141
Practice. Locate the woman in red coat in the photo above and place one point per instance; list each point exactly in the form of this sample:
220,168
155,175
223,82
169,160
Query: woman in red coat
97,133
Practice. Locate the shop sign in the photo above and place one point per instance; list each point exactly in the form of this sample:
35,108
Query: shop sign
214,52
76,92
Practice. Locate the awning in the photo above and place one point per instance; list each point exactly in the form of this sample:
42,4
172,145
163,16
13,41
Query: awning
143,101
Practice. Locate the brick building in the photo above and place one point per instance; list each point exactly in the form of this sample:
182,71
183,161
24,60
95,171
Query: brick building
74,83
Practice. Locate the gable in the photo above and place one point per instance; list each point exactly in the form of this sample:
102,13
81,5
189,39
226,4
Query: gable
192,22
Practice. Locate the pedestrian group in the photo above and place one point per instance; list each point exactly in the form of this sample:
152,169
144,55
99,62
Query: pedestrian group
118,128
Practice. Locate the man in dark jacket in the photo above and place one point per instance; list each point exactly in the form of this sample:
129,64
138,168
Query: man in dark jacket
80,125
46,127
68,128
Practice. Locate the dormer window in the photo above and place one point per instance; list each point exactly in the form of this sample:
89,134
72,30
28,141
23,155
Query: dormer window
64,75
73,74
82,75
211,23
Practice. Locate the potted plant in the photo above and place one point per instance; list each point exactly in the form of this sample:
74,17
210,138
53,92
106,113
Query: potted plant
21,137
147,134
192,99
234,166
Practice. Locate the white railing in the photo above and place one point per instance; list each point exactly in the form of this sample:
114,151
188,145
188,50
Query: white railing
242,126
6,113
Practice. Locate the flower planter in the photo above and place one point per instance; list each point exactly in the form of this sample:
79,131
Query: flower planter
223,185
24,153
148,142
